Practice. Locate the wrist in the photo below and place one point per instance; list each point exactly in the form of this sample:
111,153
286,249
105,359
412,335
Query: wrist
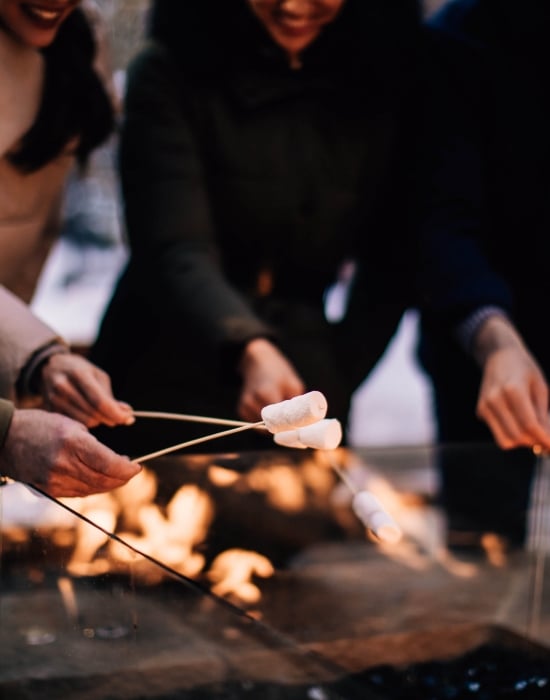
31,376
252,350
6,415
494,334
467,330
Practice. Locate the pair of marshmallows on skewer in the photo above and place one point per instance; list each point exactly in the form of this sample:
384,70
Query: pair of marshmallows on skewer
300,422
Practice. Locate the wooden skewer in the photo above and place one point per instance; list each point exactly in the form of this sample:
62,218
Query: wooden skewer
344,478
189,418
197,441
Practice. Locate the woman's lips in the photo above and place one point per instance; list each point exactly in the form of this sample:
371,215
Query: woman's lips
45,17
297,29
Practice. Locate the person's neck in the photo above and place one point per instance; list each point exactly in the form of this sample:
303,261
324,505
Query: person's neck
295,61
8,37
21,83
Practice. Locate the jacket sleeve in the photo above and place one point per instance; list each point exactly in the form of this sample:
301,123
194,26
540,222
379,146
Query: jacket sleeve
456,275
169,220
6,414
22,336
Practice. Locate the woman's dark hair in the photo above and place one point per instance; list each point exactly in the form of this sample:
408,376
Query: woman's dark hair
74,102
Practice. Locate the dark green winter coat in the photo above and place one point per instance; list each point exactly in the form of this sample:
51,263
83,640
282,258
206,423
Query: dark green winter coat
246,186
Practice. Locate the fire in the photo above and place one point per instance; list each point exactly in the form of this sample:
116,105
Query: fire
101,510
232,571
282,485
171,534
222,477
168,534
173,528
287,488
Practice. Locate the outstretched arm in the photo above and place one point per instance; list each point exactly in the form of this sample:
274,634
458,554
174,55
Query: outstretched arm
167,199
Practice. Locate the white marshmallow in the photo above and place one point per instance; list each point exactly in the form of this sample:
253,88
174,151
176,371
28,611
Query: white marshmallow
294,413
371,513
323,435
289,438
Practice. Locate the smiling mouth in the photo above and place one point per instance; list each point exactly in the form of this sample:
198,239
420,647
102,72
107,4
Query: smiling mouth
297,28
45,17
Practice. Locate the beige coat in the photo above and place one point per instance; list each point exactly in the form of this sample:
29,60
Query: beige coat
29,213
30,204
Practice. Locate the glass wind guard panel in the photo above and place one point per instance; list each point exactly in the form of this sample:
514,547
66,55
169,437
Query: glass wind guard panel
250,575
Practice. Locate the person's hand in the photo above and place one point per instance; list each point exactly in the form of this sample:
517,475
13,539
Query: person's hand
513,397
72,385
268,377
59,456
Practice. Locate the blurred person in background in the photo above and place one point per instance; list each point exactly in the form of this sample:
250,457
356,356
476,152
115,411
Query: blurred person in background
54,111
484,341
265,145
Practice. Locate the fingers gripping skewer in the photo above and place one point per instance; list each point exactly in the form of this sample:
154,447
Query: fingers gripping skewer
297,412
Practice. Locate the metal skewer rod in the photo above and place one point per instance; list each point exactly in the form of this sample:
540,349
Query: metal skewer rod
197,441
539,541
189,418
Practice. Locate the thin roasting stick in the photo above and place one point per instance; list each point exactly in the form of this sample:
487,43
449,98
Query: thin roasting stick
539,542
189,418
197,441
344,477
285,415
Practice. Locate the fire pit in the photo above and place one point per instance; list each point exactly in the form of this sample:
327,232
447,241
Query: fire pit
248,575
500,669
